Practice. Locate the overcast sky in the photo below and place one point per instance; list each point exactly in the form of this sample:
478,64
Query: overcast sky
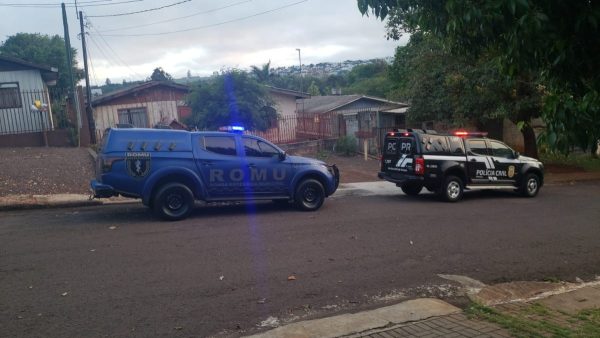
203,36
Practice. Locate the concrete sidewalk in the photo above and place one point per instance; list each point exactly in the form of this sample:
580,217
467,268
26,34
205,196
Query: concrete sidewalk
435,318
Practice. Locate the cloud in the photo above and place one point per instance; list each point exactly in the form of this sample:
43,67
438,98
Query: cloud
233,36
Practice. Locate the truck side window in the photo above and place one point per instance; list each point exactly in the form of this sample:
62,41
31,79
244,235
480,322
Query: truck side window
256,148
477,147
224,145
456,145
501,150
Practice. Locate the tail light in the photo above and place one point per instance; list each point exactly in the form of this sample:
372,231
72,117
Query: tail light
106,163
419,166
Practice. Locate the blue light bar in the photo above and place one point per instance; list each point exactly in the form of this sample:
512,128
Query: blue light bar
236,129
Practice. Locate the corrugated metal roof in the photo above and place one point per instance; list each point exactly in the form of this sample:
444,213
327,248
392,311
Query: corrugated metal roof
127,91
327,103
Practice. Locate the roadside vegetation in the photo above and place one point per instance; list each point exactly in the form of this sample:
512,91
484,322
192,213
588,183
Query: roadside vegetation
536,320
579,160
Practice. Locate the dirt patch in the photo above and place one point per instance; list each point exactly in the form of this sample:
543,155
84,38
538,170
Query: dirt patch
41,171
355,168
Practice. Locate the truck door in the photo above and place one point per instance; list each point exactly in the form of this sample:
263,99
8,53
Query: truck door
479,162
398,154
506,166
268,175
220,166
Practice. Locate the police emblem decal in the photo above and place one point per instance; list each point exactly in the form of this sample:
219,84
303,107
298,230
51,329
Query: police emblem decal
511,171
138,164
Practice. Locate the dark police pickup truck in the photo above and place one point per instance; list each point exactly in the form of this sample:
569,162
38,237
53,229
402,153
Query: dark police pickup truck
170,169
448,164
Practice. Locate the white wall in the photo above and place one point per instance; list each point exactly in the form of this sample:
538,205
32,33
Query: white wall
27,79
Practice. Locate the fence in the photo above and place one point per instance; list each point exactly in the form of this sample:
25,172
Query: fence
293,129
18,113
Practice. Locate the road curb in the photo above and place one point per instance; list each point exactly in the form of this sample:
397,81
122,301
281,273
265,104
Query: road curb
354,323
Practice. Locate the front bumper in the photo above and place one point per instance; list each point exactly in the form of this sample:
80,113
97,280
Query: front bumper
333,169
100,190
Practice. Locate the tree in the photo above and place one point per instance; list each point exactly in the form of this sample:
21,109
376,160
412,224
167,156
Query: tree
107,82
263,74
445,87
231,97
45,50
558,40
160,75
313,89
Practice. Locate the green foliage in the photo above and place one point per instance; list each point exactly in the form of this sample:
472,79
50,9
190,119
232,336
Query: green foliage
231,97
263,74
44,50
586,162
557,40
313,89
160,75
346,145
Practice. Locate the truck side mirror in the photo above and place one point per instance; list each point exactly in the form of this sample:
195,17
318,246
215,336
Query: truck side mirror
282,156
516,154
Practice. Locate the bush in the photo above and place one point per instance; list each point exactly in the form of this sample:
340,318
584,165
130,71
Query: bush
346,145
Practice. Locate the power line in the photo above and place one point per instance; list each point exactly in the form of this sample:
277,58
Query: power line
178,18
113,51
70,5
142,11
212,25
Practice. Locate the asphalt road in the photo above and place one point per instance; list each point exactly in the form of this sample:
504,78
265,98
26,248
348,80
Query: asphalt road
115,271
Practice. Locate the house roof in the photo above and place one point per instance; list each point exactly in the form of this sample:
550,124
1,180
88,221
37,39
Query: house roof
283,91
9,63
130,90
327,103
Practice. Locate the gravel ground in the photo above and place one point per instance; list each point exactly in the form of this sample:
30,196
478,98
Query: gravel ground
41,171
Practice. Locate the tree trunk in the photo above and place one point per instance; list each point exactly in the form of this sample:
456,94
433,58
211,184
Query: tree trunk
529,141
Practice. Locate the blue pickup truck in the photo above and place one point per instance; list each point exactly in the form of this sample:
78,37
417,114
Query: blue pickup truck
170,169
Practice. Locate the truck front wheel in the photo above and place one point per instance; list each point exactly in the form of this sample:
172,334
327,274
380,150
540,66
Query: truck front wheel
309,195
173,202
530,185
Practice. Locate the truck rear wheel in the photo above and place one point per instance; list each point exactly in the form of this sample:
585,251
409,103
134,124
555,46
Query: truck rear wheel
411,189
452,189
173,202
309,195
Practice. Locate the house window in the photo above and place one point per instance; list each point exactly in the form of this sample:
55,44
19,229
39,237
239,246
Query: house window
10,96
136,117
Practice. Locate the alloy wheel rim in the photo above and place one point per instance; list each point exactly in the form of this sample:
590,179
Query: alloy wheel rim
174,202
453,190
531,185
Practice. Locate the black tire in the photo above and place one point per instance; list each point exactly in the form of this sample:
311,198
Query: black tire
412,189
173,202
530,186
309,195
452,189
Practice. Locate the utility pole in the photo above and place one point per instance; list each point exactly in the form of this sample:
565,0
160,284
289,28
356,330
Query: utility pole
88,107
301,80
301,77
74,97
